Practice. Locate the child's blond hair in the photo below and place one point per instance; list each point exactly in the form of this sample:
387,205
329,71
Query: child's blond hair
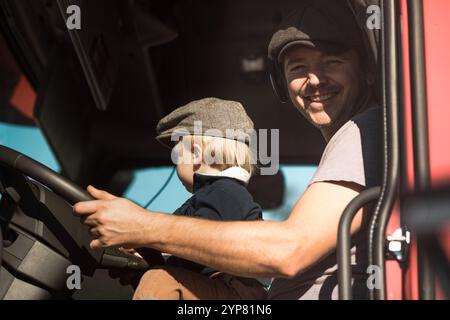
222,153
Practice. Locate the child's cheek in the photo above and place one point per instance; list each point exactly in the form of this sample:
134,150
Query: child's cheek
185,174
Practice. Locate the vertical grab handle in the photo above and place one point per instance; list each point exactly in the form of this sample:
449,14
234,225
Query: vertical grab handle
344,240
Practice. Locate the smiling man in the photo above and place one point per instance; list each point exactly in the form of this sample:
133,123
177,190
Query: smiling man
323,85
319,62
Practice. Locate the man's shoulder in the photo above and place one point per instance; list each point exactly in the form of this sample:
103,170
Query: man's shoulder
367,123
354,153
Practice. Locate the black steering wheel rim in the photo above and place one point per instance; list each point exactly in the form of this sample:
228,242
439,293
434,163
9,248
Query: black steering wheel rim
59,184
72,193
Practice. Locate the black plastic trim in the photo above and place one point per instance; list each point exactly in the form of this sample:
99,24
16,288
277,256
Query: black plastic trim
344,240
420,134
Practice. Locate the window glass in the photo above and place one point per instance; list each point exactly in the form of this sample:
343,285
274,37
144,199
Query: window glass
148,182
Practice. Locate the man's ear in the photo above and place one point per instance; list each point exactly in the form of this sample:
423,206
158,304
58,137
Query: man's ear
197,154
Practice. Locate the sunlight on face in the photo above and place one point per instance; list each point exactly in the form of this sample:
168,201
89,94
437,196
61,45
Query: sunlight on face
185,166
323,87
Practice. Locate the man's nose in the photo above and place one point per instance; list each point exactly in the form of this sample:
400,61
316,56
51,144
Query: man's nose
317,77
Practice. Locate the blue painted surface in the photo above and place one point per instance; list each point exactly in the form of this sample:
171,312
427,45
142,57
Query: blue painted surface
147,182
296,178
29,141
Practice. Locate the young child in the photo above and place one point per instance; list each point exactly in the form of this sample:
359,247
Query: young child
216,168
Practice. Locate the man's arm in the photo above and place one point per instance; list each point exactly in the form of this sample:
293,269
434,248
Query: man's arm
251,249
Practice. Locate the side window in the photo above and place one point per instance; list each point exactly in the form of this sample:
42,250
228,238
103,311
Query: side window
148,182
29,141
297,178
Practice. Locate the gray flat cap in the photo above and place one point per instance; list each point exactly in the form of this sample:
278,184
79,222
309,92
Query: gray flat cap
323,24
217,118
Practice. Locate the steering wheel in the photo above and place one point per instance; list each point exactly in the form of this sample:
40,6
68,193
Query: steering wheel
62,239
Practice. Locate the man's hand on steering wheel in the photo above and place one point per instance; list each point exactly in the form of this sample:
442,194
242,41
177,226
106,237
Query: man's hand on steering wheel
113,221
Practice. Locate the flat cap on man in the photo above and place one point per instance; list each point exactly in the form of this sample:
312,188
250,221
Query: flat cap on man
324,24
209,117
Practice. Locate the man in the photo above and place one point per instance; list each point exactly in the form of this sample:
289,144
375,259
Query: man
319,60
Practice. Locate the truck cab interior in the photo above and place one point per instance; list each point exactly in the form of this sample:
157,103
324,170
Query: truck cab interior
95,95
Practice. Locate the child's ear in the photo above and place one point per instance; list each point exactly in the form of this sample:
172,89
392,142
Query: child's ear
197,154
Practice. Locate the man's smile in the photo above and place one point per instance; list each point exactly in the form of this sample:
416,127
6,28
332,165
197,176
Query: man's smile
320,97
